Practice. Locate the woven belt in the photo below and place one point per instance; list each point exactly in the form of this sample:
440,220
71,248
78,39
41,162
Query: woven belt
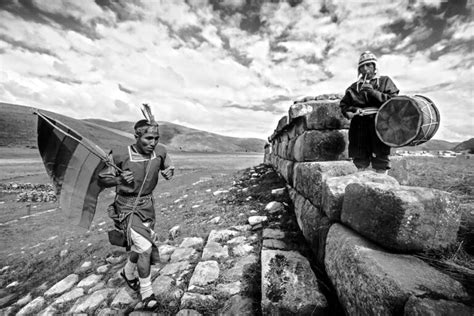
130,199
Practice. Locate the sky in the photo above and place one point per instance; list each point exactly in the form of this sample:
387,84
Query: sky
231,67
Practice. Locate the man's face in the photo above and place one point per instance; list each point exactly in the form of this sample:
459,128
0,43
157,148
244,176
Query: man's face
147,142
367,70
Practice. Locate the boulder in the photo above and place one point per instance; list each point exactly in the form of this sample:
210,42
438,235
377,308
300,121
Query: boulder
206,272
308,177
320,115
313,224
282,123
285,168
315,145
90,302
237,305
62,286
371,281
424,306
401,217
334,188
289,286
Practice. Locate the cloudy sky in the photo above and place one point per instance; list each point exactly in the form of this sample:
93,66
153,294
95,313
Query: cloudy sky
231,67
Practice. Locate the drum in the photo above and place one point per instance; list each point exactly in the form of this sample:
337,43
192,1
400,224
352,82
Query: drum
407,121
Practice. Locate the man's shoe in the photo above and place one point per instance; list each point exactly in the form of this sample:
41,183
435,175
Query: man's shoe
381,171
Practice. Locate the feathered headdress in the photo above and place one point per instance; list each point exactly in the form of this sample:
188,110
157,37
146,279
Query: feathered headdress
148,115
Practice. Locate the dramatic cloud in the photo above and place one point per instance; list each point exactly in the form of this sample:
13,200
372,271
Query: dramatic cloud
231,67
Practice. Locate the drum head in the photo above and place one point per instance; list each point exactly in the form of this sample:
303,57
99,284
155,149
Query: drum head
398,121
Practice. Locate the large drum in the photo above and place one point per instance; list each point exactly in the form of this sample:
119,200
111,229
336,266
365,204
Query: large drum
407,121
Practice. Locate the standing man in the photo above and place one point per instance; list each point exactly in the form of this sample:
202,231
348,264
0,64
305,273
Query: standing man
360,104
133,209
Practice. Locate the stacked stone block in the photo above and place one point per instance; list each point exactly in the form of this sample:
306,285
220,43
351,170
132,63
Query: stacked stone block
355,221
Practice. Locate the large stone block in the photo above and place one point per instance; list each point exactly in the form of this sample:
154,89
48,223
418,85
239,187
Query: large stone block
402,218
321,115
282,124
371,281
289,286
424,306
308,177
334,188
325,145
290,154
313,224
285,167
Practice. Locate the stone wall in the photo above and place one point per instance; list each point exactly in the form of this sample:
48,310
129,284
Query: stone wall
364,227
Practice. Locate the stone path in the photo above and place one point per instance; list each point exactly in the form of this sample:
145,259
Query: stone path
221,275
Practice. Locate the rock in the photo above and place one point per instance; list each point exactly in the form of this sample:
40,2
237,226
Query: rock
23,301
333,189
188,312
165,252
402,218
269,233
309,177
97,287
115,260
198,301
229,289
319,115
91,301
69,296
371,281
282,123
240,267
237,305
214,250
174,232
124,299
84,267
183,254
278,192
237,240
206,272
289,286
62,286
7,300
219,192
162,286
424,306
103,269
242,250
215,220
274,244
90,281
222,235
274,207
173,269
32,307
192,242
49,310
285,166
253,212
313,224
242,228
254,220
315,145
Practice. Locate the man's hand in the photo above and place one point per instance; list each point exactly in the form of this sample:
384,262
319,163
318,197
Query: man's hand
367,87
126,176
353,111
168,173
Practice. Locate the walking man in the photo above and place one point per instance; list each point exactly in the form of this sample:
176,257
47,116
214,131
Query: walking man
133,208
360,104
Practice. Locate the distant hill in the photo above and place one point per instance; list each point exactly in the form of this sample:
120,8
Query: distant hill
177,137
432,144
18,129
466,145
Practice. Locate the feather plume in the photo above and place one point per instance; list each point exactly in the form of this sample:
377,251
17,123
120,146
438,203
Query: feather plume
147,114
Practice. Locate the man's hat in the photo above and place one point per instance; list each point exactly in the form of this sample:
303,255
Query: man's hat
367,57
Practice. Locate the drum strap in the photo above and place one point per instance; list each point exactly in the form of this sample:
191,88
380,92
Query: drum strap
368,111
